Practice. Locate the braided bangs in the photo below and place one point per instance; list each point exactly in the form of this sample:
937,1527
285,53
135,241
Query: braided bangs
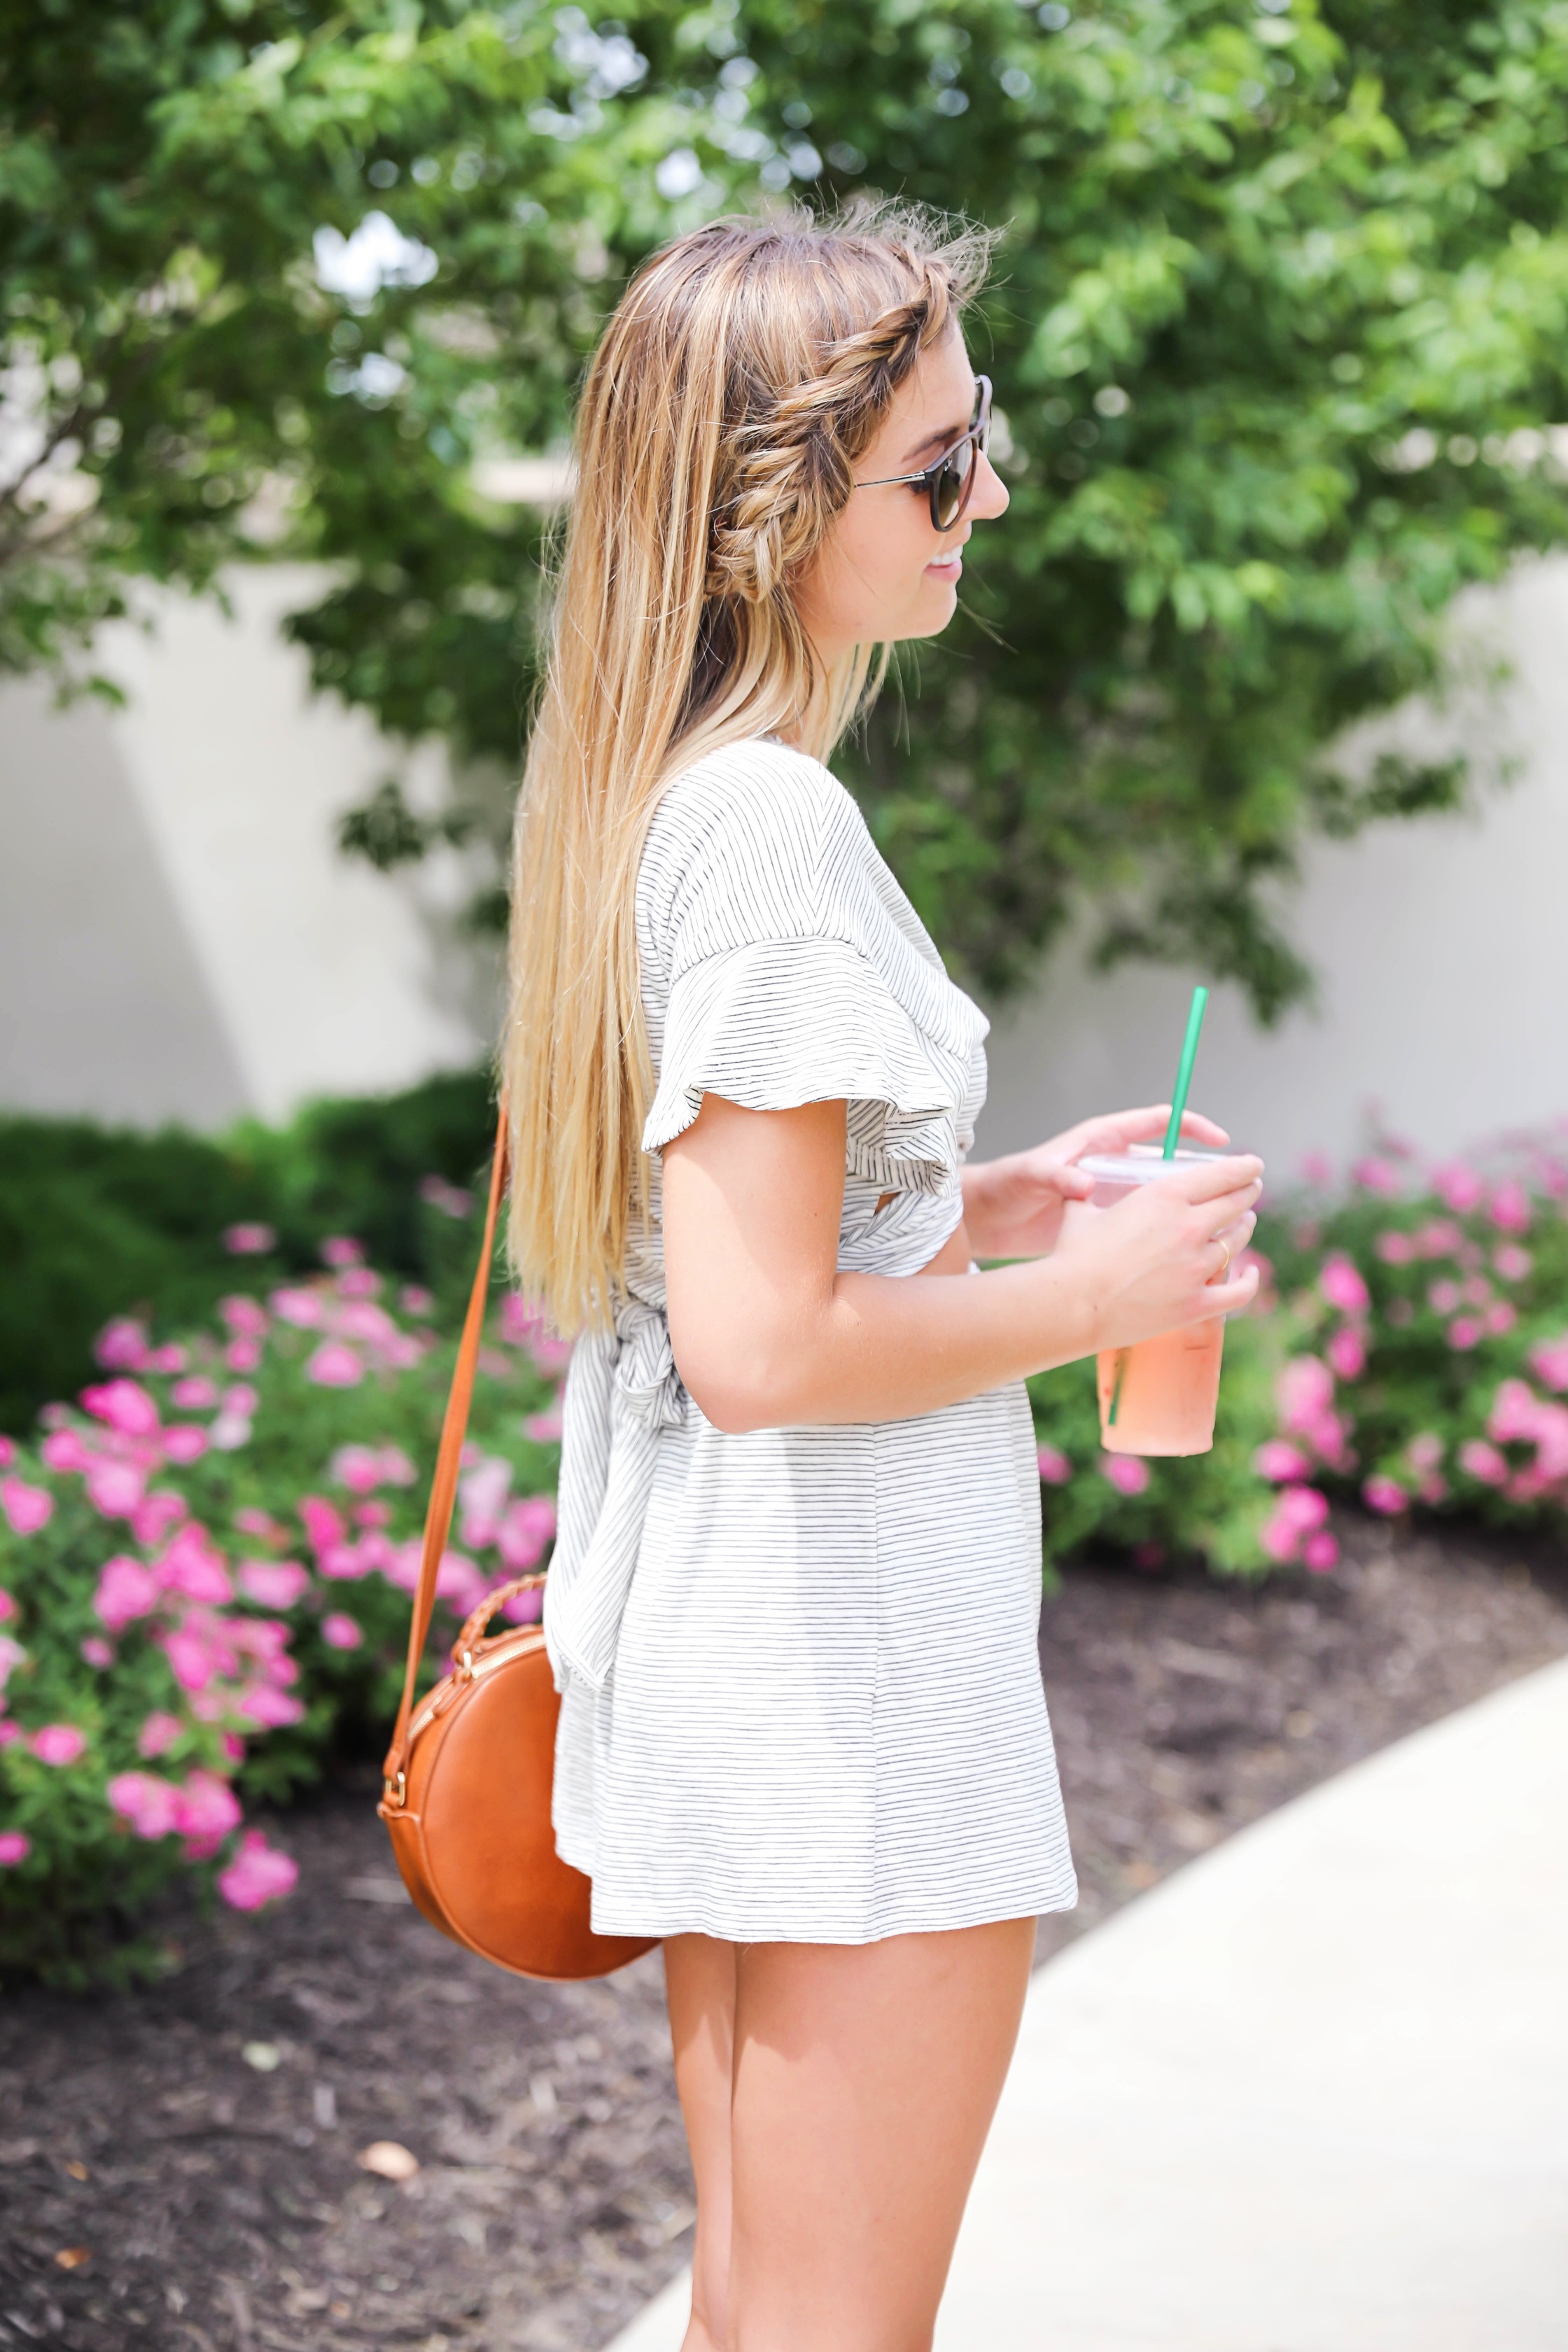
746,369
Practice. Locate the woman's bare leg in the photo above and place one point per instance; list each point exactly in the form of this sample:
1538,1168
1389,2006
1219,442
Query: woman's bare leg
700,1981
866,2077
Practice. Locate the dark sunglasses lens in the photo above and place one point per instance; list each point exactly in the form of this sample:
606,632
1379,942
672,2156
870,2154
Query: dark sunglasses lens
950,495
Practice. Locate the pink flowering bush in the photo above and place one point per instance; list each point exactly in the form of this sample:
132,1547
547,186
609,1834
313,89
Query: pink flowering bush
1427,1313
206,1566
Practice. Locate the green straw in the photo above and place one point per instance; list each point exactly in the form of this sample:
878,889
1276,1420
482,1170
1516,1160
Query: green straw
1185,1069
1173,1132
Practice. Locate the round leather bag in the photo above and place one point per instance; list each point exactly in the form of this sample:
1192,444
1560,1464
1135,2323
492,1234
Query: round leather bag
468,1811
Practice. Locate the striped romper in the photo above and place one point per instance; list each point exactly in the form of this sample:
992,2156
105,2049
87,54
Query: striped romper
800,1693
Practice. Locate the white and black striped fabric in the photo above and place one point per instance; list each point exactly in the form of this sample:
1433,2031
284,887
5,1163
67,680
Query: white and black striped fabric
800,1695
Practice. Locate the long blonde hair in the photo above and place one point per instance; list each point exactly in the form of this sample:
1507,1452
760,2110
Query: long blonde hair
744,371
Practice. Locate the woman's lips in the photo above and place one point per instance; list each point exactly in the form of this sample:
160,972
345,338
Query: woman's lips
947,567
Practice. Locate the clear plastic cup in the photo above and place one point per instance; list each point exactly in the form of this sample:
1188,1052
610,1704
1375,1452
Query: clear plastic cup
1159,1396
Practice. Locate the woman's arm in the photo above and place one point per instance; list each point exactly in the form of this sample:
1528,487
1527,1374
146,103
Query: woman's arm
768,1333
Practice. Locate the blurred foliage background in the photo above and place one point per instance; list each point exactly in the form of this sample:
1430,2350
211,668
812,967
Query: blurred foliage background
1277,331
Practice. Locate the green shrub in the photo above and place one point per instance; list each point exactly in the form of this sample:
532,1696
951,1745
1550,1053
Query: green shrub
204,1579
97,1222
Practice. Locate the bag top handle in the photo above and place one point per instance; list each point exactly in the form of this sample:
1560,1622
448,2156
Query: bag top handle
448,1460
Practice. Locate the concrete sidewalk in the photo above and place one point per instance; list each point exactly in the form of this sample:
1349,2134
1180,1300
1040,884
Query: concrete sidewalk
1309,2095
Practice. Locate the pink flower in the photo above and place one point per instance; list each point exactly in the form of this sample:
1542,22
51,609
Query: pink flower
357,1467
1501,1319
1515,1412
1385,1495
125,1405
1378,1175
1394,1248
340,1632
1511,1261
185,1442
195,1394
1346,1352
1277,1459
159,1733
1443,1296
1479,1460
260,1523
1549,1362
268,1708
459,1581
126,1590
530,1522
518,1321
7,1607
152,1518
192,1564
244,1318
359,1282
322,1522
208,1810
151,1805
121,1345
96,1651
1509,1208
524,1608
1127,1473
191,1655
248,1241
1458,1187
341,1250
414,1300
1300,1512
16,1845
1425,1450
543,1428
1464,1332
1316,1168
28,1508
115,1488
242,1355
372,1515
272,1583
11,1656
1304,1393
1440,1238
65,1451
1054,1469
334,1366
303,1307
1321,1552
451,1198
58,1743
1343,1286
258,1873
483,1493
9,1732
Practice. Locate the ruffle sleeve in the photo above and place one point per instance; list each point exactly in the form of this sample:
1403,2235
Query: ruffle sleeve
794,971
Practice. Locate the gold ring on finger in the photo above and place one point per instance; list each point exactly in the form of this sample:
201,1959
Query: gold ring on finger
1225,1269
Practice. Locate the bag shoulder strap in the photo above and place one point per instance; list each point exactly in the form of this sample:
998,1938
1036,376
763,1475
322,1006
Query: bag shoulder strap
448,1460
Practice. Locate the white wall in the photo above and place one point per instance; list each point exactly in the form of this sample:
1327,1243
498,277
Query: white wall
179,935
1441,943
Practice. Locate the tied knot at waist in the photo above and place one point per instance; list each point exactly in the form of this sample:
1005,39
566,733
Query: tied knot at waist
622,1391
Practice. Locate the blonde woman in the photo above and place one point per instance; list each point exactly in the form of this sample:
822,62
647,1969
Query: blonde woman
794,1606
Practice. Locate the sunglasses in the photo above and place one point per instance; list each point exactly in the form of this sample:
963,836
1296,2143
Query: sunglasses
948,480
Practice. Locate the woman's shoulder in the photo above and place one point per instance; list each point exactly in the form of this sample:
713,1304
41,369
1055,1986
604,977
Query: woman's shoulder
753,841
759,792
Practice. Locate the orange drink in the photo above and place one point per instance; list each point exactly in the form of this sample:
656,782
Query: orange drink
1159,1396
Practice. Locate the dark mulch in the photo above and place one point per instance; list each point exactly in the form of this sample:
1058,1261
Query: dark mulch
207,2202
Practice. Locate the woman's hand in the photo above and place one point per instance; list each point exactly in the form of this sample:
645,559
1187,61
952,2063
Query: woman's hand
1014,1207
1165,1255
